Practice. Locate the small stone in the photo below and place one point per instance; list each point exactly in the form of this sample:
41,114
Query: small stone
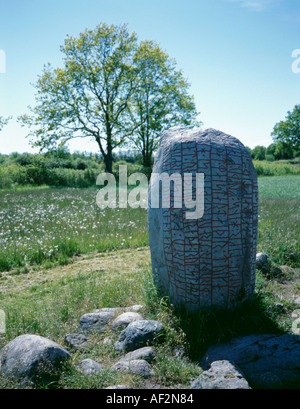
263,262
119,387
297,301
89,367
77,341
146,353
107,341
136,367
221,375
279,306
125,319
296,314
138,334
94,322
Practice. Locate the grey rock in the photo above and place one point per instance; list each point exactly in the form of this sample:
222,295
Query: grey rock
77,341
297,301
89,367
221,375
263,262
295,314
136,367
279,306
31,359
267,360
119,387
125,319
94,322
107,341
205,259
138,334
146,353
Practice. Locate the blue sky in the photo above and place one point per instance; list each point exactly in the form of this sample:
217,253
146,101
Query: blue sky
236,54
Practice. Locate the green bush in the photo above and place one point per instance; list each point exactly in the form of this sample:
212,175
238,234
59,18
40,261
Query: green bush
265,168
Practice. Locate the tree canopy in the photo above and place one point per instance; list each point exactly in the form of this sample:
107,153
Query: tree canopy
109,89
89,96
287,132
161,99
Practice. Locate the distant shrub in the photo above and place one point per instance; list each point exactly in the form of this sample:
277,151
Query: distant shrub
265,168
270,157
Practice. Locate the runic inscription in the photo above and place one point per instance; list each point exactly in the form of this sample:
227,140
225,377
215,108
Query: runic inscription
210,260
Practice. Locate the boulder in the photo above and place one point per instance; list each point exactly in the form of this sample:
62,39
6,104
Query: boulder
203,249
32,360
266,360
89,367
125,319
138,334
77,341
136,367
221,375
95,322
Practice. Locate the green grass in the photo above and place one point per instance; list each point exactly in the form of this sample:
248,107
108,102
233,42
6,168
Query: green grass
52,308
279,219
50,302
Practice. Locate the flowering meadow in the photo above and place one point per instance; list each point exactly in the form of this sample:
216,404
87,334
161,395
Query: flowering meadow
47,225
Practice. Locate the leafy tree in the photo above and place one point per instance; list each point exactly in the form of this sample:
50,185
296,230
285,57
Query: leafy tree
160,101
258,153
288,132
89,96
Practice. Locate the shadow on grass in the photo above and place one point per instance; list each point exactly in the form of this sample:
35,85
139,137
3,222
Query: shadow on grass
210,326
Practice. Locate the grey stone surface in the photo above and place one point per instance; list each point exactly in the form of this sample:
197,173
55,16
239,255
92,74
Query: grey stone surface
266,360
31,359
136,366
146,353
125,319
119,387
89,367
94,322
209,260
263,262
221,375
77,341
138,334
297,301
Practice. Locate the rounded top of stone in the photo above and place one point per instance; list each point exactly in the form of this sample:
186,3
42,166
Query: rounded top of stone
213,136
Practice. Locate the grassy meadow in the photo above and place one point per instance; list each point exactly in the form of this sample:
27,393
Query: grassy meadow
61,256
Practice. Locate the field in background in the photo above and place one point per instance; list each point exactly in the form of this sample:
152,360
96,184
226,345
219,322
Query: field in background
48,226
